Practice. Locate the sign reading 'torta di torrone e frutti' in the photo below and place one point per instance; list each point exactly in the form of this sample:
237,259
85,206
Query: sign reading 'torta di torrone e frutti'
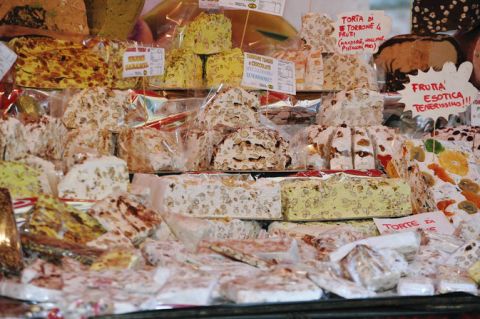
435,94
361,32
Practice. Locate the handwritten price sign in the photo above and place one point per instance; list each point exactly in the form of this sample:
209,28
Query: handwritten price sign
435,222
361,32
435,94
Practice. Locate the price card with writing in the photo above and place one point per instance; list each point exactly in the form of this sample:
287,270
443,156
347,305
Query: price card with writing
275,7
435,221
361,32
475,111
435,94
267,73
143,61
208,4
7,58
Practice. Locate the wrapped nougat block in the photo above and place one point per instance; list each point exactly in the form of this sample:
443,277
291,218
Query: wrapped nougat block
359,107
465,256
214,196
474,272
95,179
317,32
183,70
280,285
318,146
330,281
299,58
252,149
341,196
13,143
368,268
347,72
199,148
208,34
341,149
225,68
148,150
415,286
314,71
230,109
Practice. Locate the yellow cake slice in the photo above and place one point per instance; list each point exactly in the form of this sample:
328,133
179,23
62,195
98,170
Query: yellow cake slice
225,68
208,34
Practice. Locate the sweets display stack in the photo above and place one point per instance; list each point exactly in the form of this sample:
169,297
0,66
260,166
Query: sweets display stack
121,195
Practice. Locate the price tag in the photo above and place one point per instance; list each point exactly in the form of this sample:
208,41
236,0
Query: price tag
143,61
475,112
7,58
208,4
361,32
267,73
436,222
275,7
435,94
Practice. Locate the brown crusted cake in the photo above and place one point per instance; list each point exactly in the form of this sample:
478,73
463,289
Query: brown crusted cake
252,149
405,54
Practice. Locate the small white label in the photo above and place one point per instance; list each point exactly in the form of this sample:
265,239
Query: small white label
143,61
208,4
361,32
475,111
436,222
275,7
7,58
267,73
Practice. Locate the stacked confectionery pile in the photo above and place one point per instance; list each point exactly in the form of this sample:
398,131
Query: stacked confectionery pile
116,198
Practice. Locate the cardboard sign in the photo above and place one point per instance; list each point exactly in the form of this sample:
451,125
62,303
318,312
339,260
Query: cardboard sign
267,73
475,112
361,32
275,7
143,61
435,94
208,4
436,222
7,58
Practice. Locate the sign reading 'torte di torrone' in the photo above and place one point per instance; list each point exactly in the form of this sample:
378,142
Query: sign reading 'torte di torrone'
267,73
143,61
435,94
361,31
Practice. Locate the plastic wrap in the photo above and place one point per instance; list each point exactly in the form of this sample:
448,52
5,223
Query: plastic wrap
415,286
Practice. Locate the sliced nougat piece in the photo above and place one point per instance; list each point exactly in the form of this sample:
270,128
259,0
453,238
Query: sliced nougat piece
347,72
386,144
95,179
252,149
45,137
84,141
318,146
13,143
341,149
225,68
97,107
199,148
314,71
342,196
148,150
317,32
231,108
123,213
364,157
359,107
214,195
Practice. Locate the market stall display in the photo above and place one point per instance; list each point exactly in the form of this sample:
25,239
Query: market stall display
123,194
